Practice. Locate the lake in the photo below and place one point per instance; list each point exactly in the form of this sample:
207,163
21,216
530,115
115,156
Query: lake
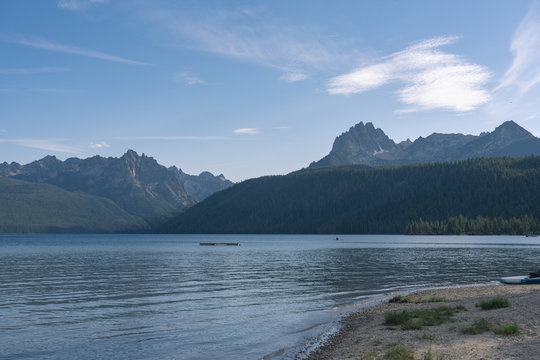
273,297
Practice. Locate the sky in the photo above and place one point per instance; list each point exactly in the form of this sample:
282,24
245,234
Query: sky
254,88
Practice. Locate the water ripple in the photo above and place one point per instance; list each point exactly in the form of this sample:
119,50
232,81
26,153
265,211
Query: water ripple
154,297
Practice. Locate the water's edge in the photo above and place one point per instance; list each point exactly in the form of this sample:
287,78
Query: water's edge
303,350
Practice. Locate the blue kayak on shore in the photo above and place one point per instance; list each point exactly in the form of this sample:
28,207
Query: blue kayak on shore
523,279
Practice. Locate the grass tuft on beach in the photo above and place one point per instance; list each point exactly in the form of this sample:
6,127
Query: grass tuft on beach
430,356
478,327
483,325
399,351
496,303
507,329
417,319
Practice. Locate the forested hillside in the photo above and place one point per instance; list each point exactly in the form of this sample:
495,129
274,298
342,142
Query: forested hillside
370,200
40,208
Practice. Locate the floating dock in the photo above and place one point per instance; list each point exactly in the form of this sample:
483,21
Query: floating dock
220,243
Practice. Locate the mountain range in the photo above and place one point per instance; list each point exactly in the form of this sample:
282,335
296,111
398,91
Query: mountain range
364,144
346,191
138,185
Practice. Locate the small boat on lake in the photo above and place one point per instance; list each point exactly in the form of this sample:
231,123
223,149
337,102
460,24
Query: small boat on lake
220,243
532,278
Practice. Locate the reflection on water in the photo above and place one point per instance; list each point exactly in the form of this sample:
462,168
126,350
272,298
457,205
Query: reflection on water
155,297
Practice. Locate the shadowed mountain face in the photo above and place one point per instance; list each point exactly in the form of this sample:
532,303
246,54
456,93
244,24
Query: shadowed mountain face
138,184
364,144
29,207
368,200
203,185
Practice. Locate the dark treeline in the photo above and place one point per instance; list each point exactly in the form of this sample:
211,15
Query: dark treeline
480,225
361,200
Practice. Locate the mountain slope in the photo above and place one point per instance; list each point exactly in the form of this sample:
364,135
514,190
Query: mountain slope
372,200
364,144
40,208
201,186
137,184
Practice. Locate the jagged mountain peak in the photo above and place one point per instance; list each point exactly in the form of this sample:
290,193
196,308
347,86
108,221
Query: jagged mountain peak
47,161
510,129
364,144
138,184
131,155
363,138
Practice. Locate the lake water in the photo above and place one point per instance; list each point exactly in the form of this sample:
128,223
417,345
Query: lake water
166,297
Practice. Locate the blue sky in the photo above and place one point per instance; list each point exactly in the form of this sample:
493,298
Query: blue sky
252,88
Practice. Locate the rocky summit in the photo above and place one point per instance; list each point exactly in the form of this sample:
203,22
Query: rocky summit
364,144
137,184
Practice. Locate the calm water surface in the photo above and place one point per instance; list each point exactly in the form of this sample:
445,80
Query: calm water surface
166,297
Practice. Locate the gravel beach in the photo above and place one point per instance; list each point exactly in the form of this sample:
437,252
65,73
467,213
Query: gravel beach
364,334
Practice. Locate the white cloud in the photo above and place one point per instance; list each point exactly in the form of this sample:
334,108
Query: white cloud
3,131
281,127
524,73
361,80
432,78
516,95
40,43
30,71
44,144
293,77
247,131
78,5
247,35
98,145
188,79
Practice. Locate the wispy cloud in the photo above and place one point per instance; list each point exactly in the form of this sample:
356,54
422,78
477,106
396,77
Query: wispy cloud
293,77
516,95
55,145
432,79
247,131
188,79
30,71
99,145
3,131
281,127
524,73
78,5
40,43
171,138
249,36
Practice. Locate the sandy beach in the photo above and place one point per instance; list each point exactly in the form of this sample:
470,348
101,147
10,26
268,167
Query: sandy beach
364,334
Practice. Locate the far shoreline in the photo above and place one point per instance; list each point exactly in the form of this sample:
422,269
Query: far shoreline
363,334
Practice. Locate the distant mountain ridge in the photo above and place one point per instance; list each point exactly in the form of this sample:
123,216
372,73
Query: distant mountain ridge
137,184
363,144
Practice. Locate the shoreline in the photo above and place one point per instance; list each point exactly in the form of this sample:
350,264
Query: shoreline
364,335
